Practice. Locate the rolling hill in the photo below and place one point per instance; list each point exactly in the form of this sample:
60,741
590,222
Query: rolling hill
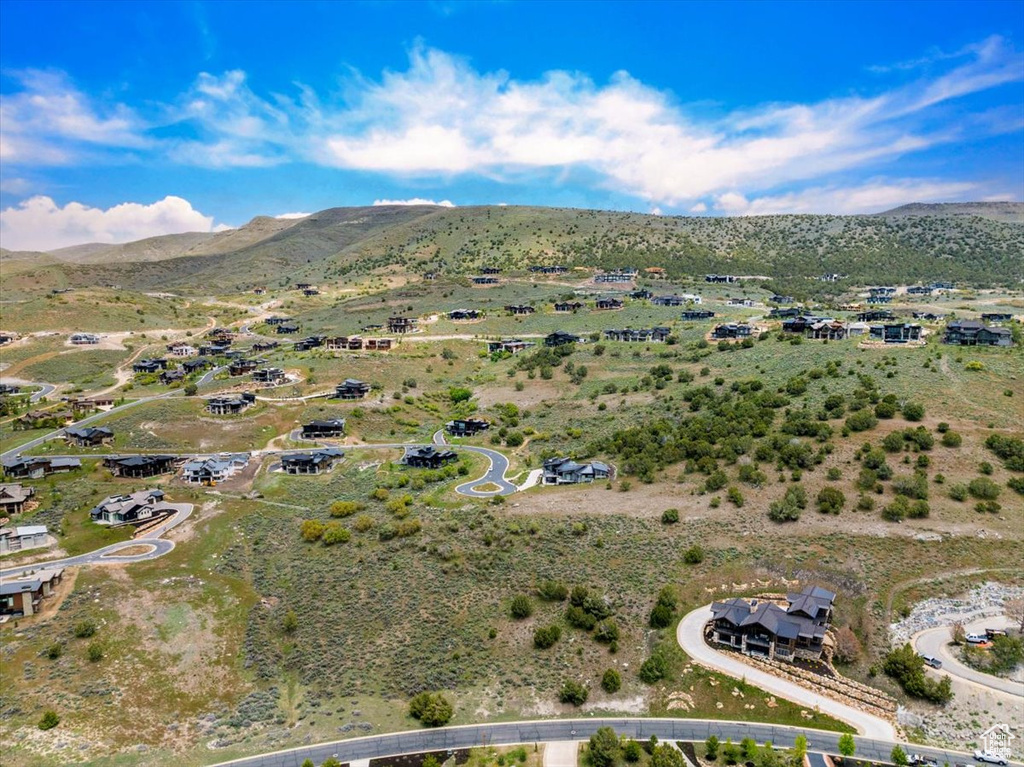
979,243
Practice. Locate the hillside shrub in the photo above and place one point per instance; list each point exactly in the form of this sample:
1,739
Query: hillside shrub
520,607
573,692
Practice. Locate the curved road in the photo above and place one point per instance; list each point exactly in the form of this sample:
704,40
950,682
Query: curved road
495,471
935,642
690,635
45,389
108,554
556,730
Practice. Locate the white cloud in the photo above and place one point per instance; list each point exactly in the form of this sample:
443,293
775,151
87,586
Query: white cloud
872,197
416,201
50,122
293,215
40,224
700,207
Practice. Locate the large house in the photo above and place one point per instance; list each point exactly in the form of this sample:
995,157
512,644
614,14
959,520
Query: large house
565,471
131,508
720,278
37,467
464,314
313,462
350,388
675,300
268,376
335,427
287,329
699,314
428,457
605,304
731,330
466,427
876,315
23,595
278,320
641,335
402,324
230,405
560,337
510,345
484,280
974,333
641,294
140,466
996,316
88,436
765,629
568,306
24,537
13,498
84,339
210,471
625,275
520,309
241,367
149,365
549,269
895,333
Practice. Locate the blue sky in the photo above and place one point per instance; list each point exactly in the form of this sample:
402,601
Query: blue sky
122,120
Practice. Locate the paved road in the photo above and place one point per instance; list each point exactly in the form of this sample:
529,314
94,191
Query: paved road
935,642
45,389
690,635
560,730
108,554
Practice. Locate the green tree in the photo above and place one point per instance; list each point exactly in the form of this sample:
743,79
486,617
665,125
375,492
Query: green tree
898,756
749,748
799,749
431,708
913,411
847,746
290,622
666,756
711,748
191,389
49,720
311,530
95,652
611,682
604,747
546,636
632,752
694,555
84,629
573,692
730,752
521,607
552,591
830,500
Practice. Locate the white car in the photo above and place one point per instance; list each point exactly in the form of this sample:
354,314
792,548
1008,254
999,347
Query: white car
976,638
988,756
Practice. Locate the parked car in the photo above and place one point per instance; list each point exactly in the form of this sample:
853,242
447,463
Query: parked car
916,760
976,638
932,661
988,756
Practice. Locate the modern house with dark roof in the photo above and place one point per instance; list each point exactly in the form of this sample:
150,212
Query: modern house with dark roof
37,467
241,367
567,306
510,345
700,314
996,316
230,405
520,309
895,332
642,294
428,457
149,365
466,427
731,330
765,629
268,376
88,436
350,388
461,315
484,280
402,324
132,508
720,278
876,315
605,304
641,335
334,427
287,329
974,333
676,300
565,471
560,337
140,466
313,462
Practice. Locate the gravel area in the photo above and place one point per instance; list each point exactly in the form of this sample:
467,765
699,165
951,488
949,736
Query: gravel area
981,602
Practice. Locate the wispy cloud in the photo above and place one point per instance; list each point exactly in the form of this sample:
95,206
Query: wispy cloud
293,215
416,201
49,122
40,224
